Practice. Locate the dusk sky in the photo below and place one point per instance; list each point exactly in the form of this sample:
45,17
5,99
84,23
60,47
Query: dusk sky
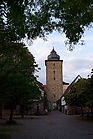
76,62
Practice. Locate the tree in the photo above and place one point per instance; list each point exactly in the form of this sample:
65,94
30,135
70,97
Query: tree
79,94
17,82
90,94
34,18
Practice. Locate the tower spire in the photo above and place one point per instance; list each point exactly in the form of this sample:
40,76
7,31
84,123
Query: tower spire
53,55
54,77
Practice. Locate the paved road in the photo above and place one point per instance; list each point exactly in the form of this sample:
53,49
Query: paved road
56,126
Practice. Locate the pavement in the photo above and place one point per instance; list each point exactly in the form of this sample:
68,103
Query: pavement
55,125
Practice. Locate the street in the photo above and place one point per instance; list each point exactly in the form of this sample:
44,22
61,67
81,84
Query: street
56,125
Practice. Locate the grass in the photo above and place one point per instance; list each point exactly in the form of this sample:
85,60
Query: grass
5,136
8,129
85,118
11,122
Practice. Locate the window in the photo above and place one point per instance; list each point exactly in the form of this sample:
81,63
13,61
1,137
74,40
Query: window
54,74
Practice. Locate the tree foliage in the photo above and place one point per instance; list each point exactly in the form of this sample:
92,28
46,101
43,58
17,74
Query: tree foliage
18,86
34,18
90,95
79,93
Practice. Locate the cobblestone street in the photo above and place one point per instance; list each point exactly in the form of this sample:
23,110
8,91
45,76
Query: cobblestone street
56,125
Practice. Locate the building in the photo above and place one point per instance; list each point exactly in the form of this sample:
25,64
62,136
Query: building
54,78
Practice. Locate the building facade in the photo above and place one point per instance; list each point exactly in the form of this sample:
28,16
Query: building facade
54,77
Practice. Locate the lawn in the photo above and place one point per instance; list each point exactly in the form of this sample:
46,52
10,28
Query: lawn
6,131
5,136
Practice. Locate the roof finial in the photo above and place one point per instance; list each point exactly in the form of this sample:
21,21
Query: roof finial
53,46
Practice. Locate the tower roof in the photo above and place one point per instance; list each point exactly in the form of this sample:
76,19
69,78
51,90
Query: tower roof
53,55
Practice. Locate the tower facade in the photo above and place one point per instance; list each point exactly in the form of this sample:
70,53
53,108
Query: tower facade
54,77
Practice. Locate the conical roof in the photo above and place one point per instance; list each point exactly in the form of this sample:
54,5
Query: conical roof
53,55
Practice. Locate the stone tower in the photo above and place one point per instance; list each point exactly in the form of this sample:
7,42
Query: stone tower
54,77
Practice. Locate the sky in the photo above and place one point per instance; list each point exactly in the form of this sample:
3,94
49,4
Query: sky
76,62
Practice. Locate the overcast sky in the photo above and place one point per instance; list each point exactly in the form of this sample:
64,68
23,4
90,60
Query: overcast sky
76,62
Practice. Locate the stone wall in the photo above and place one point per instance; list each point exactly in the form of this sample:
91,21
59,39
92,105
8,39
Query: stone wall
54,79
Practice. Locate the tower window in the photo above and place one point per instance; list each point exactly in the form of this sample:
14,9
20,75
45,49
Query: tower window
54,74
54,64
54,95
